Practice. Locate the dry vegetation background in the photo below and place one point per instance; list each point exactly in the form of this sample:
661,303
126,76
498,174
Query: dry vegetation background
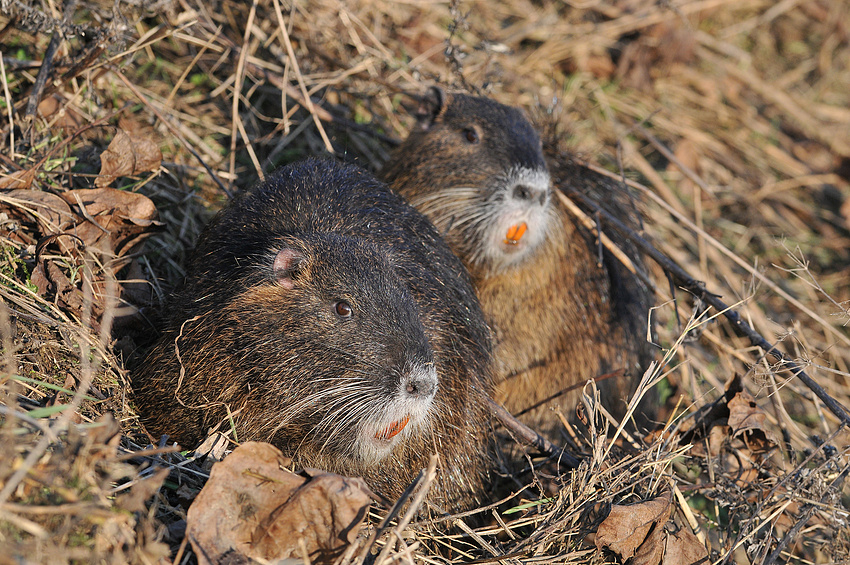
731,120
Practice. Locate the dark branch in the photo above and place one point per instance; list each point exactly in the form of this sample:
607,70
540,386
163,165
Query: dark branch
529,436
698,289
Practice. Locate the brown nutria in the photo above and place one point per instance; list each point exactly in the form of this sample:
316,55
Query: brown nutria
477,169
327,317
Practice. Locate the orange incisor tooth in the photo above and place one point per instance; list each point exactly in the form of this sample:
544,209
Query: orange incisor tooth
393,429
515,233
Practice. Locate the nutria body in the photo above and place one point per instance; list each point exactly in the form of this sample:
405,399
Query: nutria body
327,317
477,169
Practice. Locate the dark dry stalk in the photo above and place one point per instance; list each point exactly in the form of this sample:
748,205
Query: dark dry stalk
697,288
792,533
43,74
46,67
530,436
780,484
81,65
391,515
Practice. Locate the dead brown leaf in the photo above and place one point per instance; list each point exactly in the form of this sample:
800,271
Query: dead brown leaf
114,221
51,281
744,413
627,526
683,548
19,179
127,154
53,108
734,434
738,417
253,508
38,213
640,532
748,422
651,551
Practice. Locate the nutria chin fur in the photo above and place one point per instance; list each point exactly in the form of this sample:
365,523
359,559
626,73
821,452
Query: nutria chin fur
477,169
329,318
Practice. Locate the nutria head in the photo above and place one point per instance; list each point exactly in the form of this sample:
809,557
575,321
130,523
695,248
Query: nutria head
345,350
476,169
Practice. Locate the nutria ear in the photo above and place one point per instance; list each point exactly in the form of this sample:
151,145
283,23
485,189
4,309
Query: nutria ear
286,264
431,107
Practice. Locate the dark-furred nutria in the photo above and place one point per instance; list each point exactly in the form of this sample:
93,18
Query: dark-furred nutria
326,316
477,169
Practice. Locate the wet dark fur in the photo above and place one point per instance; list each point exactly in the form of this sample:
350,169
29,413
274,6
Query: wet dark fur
558,318
283,365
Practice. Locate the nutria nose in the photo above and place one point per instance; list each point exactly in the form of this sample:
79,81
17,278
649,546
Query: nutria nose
422,382
522,192
528,193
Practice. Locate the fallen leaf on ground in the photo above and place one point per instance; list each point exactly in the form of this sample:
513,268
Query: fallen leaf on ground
54,109
212,450
747,421
114,221
253,508
127,154
733,433
37,213
683,548
51,281
738,414
18,179
640,532
627,526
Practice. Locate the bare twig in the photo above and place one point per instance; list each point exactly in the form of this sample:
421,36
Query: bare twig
723,249
424,487
46,66
697,288
530,436
831,491
591,225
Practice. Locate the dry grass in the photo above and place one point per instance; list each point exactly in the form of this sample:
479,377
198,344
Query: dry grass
730,118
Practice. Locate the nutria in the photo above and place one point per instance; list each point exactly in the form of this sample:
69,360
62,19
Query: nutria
477,169
326,316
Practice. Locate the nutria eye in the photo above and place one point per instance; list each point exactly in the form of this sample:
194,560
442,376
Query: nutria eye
343,309
471,135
